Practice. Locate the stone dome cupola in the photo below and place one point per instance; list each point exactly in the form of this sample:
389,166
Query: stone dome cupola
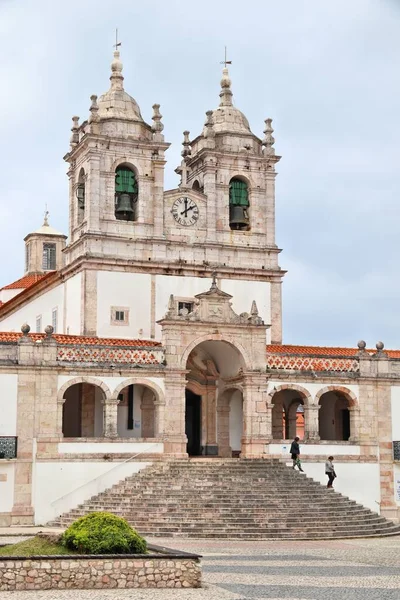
116,103
227,118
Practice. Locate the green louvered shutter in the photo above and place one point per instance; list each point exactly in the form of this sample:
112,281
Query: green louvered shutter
125,181
238,193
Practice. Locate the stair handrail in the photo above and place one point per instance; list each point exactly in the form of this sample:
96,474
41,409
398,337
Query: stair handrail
103,474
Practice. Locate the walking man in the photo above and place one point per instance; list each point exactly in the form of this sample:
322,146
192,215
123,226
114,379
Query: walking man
330,471
295,453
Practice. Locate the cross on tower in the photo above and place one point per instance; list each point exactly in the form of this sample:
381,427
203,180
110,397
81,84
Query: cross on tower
117,43
226,62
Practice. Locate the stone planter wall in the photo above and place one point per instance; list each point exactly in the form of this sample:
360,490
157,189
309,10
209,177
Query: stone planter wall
178,570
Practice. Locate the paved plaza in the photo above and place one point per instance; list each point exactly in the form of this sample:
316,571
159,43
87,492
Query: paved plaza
339,570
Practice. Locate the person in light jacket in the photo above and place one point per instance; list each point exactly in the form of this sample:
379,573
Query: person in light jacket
295,453
330,471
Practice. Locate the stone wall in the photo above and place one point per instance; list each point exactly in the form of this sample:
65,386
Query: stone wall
100,572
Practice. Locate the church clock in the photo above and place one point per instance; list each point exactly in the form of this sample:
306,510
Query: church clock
185,211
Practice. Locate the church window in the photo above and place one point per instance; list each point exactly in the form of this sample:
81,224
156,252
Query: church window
39,324
54,319
239,205
49,257
119,315
126,194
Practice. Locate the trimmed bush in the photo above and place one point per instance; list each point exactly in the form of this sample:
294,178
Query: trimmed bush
103,533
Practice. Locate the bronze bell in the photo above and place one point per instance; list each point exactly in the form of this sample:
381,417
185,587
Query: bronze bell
123,208
238,217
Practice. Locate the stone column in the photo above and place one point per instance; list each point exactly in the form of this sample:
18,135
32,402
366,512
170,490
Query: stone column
211,447
291,416
159,418
276,312
223,434
256,422
355,420
175,439
88,402
311,423
28,389
148,414
110,418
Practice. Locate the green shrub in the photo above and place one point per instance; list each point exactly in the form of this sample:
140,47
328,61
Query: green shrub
103,533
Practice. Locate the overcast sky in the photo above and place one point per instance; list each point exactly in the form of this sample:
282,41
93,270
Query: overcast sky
328,73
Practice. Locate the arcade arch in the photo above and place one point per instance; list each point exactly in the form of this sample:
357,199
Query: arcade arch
337,405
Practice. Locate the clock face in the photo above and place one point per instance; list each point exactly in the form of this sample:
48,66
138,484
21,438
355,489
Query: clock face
185,211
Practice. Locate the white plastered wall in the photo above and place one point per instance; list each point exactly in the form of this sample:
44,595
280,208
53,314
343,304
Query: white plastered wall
358,481
8,403
59,487
125,290
395,399
42,305
72,306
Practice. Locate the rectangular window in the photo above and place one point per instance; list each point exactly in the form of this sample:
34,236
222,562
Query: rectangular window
54,319
49,257
119,315
39,324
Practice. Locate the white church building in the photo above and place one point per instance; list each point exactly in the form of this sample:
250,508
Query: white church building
155,329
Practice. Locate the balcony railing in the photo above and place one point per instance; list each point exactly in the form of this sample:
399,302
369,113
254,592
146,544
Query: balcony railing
8,446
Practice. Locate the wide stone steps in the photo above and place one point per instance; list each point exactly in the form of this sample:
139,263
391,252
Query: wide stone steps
233,499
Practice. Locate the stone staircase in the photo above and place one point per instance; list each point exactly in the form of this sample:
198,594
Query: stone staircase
233,499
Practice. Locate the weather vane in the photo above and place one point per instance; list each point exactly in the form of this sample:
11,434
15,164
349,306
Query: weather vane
226,62
117,43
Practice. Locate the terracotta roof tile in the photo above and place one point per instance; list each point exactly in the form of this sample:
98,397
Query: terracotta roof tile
14,336
26,292
325,351
25,282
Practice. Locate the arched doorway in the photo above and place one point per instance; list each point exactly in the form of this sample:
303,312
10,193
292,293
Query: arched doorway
82,414
213,414
334,416
288,414
136,412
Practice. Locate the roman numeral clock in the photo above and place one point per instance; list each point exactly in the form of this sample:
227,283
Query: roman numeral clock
185,211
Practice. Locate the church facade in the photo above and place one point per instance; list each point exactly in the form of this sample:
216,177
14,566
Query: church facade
155,330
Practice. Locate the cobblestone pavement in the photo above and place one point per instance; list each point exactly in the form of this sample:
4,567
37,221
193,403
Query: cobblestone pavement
340,570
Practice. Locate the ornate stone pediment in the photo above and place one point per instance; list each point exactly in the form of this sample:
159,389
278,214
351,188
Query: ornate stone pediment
213,306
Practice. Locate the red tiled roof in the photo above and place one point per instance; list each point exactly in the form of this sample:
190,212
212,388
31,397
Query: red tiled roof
28,290
14,336
323,351
25,282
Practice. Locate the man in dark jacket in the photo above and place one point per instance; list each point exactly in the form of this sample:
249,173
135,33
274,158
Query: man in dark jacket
295,453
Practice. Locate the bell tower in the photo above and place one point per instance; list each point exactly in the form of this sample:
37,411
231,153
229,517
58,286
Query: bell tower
235,172
116,173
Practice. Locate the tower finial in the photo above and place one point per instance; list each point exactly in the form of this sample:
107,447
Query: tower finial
269,140
116,67
226,92
46,217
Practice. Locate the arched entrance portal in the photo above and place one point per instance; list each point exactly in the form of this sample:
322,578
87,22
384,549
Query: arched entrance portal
213,414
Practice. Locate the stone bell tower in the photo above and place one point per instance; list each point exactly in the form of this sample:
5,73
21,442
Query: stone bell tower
116,173
235,171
